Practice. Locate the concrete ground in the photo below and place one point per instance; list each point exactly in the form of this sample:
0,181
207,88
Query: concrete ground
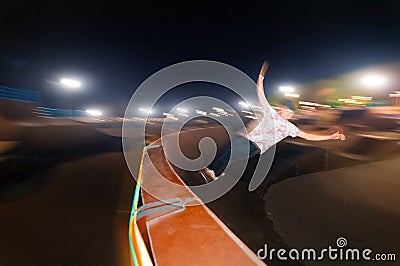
75,213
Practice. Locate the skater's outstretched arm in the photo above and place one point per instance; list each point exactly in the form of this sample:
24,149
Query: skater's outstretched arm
309,136
260,86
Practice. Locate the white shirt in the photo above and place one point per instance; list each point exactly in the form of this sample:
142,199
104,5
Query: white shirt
272,129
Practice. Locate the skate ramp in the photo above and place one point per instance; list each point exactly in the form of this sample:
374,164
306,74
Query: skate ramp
371,149
189,140
362,118
7,145
359,203
211,241
14,110
9,131
295,163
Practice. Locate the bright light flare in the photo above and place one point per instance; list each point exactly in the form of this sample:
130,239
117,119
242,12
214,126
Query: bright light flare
286,89
71,83
93,112
373,81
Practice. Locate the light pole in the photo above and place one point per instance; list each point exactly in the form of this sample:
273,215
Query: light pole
290,93
70,84
374,81
66,83
94,112
287,89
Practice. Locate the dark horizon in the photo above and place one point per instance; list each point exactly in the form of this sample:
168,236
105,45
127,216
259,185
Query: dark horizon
113,48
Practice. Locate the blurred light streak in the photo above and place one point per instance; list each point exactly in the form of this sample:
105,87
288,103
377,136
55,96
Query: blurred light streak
293,95
308,107
247,112
364,98
213,114
313,104
201,112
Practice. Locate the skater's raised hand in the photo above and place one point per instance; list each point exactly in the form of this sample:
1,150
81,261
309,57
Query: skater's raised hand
264,69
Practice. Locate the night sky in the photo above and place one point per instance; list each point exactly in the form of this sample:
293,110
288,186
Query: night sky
114,47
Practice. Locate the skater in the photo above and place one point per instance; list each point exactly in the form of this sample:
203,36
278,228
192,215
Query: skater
263,133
